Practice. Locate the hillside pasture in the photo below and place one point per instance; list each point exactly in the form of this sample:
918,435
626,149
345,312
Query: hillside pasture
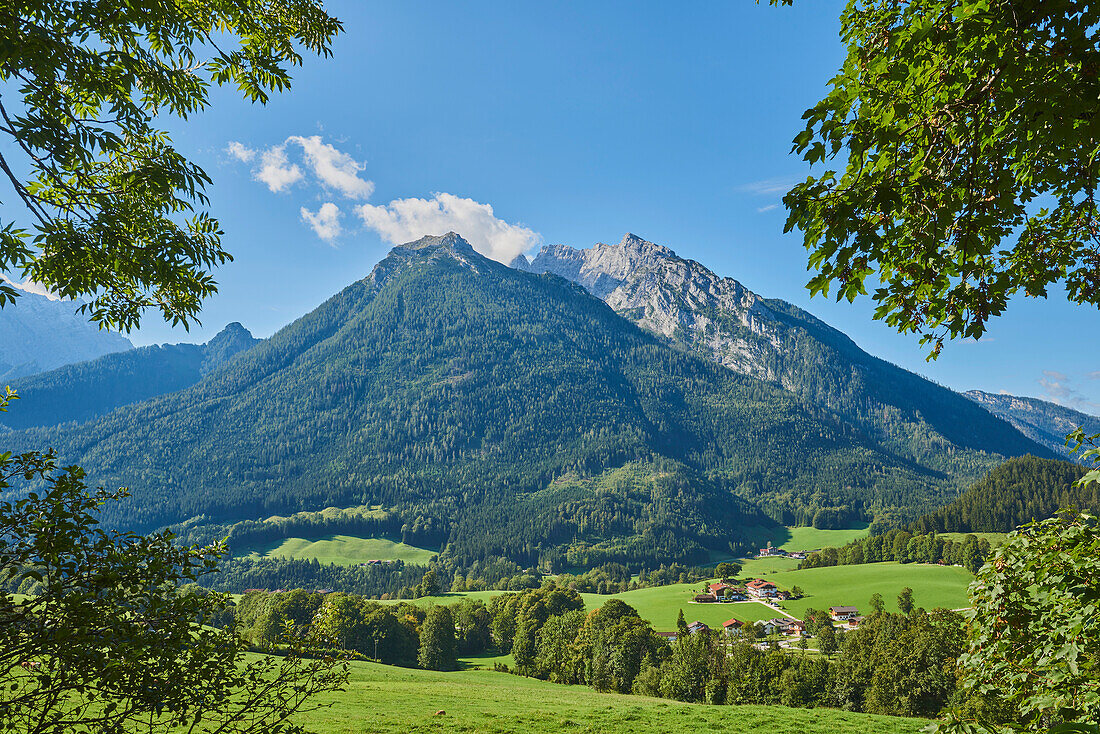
390,700
660,606
797,538
932,585
346,550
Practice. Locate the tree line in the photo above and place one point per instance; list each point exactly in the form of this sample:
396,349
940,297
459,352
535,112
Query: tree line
904,547
897,664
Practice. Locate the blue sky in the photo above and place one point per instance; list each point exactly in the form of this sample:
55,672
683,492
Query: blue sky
575,122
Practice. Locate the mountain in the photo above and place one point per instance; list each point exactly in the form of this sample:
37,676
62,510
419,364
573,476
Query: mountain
38,333
82,391
1016,492
516,411
688,306
1044,422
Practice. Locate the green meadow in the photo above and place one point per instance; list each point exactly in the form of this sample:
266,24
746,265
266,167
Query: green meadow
347,550
388,700
661,605
800,538
932,585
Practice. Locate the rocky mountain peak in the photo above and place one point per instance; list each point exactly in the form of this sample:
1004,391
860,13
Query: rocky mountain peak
676,298
429,248
451,240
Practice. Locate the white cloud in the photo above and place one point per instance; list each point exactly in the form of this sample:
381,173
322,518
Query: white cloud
276,170
768,208
770,186
1057,389
404,220
335,169
240,151
325,221
1094,375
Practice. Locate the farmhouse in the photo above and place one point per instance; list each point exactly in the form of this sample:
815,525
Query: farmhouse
697,626
718,588
843,613
768,626
732,626
761,589
796,627
705,598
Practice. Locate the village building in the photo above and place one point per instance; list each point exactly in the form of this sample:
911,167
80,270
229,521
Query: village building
705,598
843,613
761,589
732,626
696,627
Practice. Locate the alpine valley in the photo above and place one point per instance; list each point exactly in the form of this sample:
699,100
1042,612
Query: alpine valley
619,400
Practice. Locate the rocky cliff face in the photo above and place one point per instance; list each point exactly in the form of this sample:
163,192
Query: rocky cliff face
678,299
692,307
38,334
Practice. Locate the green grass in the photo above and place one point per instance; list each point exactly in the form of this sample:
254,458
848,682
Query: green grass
661,605
390,700
347,550
932,585
800,538
753,567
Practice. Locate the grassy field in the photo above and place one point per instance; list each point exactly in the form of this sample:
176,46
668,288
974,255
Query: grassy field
754,567
390,700
933,586
661,605
799,538
347,550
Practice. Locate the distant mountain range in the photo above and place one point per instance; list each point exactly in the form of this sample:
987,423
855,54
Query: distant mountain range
38,333
515,413
687,305
86,390
1044,422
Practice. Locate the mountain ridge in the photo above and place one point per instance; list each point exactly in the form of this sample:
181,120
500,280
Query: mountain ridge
38,334
1042,421
85,390
684,303
467,394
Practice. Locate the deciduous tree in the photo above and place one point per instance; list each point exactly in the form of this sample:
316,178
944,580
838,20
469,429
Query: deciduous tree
110,210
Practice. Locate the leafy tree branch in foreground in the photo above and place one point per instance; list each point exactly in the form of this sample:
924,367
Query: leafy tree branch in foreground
110,206
110,642
967,140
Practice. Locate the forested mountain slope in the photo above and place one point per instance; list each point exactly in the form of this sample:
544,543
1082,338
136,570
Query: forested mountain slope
39,334
479,396
688,305
1044,422
82,391
1017,492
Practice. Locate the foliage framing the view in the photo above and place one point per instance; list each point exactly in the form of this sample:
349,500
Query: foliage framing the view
968,133
111,204
108,641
